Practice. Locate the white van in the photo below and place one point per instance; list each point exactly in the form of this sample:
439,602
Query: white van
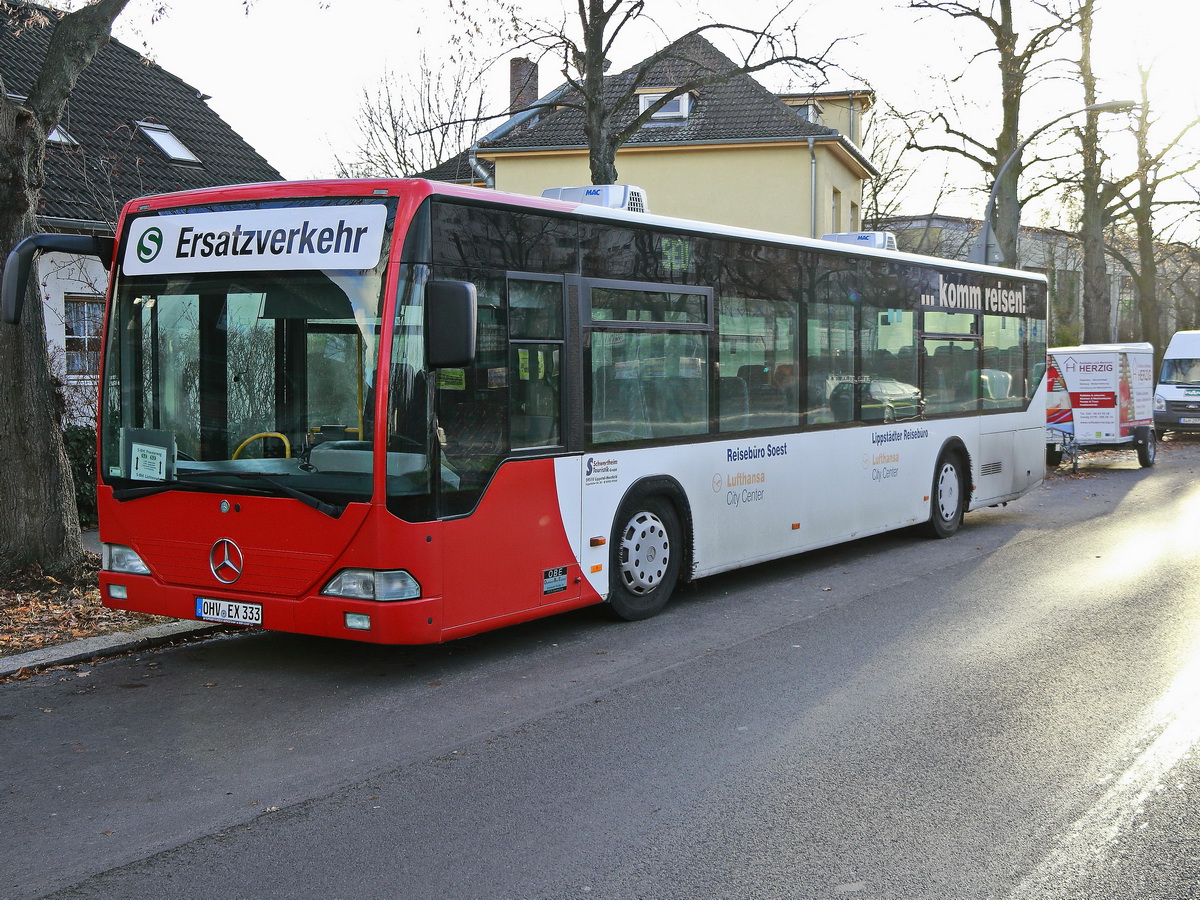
1177,397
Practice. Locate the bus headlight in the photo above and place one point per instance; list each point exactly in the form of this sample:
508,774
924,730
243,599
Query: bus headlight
1160,403
116,558
368,584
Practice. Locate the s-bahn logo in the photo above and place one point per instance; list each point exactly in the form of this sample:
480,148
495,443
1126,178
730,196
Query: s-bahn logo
149,245
226,562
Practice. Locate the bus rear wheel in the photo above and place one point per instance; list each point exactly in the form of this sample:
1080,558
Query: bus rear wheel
647,547
948,496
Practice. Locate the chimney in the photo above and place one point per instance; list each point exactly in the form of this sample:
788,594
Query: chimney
522,84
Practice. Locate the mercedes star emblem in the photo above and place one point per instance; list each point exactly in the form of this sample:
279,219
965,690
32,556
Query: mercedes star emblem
226,562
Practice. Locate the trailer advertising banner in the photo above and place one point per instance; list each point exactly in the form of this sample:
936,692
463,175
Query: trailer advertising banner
1100,394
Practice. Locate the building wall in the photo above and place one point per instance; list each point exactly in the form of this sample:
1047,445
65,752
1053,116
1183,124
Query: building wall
84,280
764,187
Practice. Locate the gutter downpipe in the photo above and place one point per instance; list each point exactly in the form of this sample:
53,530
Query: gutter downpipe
507,127
480,172
812,188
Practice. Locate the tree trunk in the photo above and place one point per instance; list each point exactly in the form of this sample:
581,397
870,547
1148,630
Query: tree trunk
602,148
1097,297
1007,222
39,522
1147,277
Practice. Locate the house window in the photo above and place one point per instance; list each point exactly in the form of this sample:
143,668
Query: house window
810,112
167,142
84,328
57,135
676,108
835,213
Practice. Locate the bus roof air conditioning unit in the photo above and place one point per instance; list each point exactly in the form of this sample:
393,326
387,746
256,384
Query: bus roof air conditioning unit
878,240
610,196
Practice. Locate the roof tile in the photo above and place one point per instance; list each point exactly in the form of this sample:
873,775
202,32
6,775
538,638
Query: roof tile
113,161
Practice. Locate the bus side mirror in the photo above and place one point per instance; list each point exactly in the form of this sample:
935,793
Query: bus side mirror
450,317
15,282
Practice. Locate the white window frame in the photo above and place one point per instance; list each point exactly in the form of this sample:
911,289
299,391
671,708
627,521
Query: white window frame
679,108
91,336
167,141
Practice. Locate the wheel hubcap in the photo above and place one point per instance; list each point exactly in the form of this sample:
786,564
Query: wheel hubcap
947,495
645,553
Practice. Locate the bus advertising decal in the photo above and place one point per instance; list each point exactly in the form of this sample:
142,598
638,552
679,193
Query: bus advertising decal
744,487
338,238
964,294
600,471
884,462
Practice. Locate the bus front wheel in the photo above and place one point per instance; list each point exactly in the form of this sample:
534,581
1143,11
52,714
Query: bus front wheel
948,496
647,547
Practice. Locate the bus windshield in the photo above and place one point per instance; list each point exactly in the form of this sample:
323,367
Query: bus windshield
254,382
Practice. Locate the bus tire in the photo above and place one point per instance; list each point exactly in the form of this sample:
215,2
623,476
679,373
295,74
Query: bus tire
1147,446
647,549
948,495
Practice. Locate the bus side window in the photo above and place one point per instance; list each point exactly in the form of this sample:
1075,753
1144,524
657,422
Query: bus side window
1002,378
758,387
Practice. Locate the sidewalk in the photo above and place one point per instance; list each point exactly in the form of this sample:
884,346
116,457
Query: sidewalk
103,645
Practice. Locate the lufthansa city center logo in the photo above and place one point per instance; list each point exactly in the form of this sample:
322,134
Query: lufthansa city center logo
149,245
226,562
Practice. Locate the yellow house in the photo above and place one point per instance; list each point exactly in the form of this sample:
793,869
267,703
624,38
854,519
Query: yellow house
731,152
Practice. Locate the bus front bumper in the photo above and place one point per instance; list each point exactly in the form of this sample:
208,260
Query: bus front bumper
395,622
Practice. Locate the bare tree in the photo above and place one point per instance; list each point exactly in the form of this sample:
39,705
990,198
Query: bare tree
1138,204
40,523
410,124
1022,56
612,118
886,142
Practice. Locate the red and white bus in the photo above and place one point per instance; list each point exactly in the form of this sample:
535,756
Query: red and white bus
405,412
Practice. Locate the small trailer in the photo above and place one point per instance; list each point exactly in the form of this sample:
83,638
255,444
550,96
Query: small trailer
1100,396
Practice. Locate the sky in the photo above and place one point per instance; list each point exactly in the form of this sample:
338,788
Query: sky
289,75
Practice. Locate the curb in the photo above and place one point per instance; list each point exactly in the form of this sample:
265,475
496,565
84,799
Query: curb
104,645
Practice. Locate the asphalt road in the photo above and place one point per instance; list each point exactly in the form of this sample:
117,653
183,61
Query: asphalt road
1011,713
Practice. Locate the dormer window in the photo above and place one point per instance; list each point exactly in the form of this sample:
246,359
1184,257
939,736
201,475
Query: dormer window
810,112
166,141
675,109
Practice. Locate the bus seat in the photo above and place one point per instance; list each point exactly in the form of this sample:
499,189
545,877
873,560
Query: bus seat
734,399
677,405
619,406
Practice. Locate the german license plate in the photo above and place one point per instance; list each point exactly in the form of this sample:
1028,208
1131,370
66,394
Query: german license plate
1189,421
228,611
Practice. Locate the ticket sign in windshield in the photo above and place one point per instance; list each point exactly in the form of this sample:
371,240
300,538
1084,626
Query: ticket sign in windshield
322,237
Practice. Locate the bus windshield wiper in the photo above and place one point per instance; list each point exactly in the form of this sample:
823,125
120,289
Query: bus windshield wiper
174,484
320,506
